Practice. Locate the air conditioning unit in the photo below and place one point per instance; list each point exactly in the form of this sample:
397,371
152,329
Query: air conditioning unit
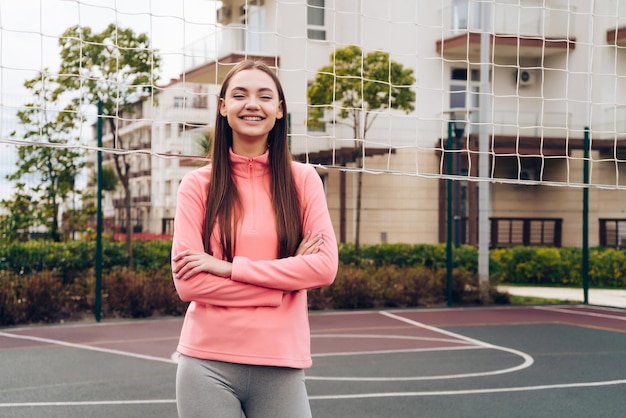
529,174
525,78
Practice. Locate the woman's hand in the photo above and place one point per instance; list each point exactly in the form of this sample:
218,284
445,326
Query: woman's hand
190,262
310,244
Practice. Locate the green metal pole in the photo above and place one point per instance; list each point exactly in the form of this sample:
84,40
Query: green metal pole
457,191
448,159
585,254
98,261
289,130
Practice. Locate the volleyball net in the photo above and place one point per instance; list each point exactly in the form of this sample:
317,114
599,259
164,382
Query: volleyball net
519,95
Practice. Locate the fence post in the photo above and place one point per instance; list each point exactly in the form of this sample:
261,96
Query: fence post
98,258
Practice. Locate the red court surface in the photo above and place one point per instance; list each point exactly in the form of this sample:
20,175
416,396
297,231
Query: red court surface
554,361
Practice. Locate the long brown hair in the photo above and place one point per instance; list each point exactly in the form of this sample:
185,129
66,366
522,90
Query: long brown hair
223,206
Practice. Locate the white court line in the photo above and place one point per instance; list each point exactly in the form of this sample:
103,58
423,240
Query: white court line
391,337
87,403
528,360
572,312
410,350
350,396
469,391
88,324
85,347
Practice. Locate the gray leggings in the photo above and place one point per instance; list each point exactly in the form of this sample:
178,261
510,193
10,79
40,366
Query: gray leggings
206,388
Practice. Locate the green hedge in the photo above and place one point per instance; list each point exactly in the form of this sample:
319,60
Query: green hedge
70,259
548,266
390,286
47,282
42,297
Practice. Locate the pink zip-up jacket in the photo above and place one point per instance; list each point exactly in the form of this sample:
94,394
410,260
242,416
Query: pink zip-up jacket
248,318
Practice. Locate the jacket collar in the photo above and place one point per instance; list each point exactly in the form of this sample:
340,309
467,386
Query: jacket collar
240,165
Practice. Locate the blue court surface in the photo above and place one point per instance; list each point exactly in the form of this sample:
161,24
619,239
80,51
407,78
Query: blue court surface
539,361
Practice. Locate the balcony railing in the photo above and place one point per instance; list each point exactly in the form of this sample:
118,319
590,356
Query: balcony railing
530,18
226,40
530,124
614,124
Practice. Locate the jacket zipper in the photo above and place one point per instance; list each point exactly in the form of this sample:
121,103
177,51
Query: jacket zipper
253,192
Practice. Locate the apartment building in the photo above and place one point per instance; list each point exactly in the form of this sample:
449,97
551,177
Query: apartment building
167,132
555,68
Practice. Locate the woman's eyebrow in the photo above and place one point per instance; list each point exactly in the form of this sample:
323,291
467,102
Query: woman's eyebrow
261,90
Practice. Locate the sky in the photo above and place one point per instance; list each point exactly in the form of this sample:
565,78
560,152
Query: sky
30,30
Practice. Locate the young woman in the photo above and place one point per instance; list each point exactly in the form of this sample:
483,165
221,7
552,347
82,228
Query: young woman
251,234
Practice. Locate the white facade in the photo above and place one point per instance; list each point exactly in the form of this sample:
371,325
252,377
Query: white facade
552,72
184,112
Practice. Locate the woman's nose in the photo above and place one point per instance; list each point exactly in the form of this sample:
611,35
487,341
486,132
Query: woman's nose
252,103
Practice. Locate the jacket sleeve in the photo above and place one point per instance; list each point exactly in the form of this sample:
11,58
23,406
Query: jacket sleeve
204,287
298,272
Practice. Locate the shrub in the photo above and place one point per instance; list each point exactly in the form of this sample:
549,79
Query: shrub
393,286
607,268
44,297
140,294
11,307
37,297
44,282
548,266
352,288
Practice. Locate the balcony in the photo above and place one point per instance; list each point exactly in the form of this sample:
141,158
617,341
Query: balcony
614,124
528,30
616,37
527,124
210,58
616,34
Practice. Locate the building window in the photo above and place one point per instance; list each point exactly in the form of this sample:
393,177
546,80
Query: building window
464,88
465,16
315,20
613,232
510,232
180,101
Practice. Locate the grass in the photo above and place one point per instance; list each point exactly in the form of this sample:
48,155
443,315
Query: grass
531,300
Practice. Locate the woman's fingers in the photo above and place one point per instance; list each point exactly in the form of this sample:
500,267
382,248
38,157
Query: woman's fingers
310,244
186,262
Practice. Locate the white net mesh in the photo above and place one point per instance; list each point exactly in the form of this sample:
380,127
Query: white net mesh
537,84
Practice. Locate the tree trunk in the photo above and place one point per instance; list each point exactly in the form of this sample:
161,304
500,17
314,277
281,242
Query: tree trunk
54,232
129,224
359,193
124,177
342,205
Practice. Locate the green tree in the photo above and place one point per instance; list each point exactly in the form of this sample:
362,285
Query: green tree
49,158
204,142
109,184
116,67
353,90
109,179
20,217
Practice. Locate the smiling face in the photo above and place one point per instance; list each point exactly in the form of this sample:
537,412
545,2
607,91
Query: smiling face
251,105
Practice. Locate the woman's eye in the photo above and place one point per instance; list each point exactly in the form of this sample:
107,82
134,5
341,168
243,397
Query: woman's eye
238,96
